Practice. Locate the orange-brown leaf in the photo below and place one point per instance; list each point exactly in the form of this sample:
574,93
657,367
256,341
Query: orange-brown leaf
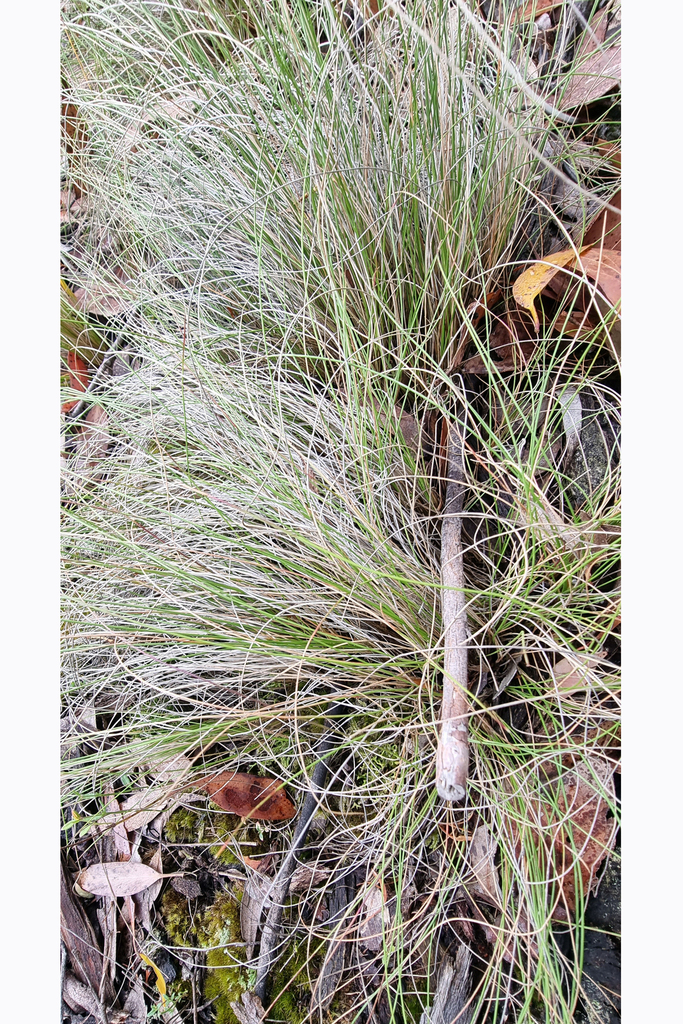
604,267
250,796
78,377
575,832
605,228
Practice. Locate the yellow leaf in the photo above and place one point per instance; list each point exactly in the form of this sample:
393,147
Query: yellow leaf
161,981
532,282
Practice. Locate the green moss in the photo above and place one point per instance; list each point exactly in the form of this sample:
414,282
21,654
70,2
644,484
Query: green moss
175,914
290,990
223,827
185,827
217,829
218,929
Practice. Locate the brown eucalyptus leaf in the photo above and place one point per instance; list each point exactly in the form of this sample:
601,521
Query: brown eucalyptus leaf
599,73
573,829
605,228
604,267
250,796
117,878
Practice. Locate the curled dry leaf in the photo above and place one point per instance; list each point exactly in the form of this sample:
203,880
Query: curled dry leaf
250,796
533,280
117,878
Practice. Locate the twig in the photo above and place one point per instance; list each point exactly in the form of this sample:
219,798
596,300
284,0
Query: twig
280,889
452,756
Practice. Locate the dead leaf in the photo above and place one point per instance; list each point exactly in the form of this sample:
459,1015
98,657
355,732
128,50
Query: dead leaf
79,997
250,796
573,673
482,861
254,901
306,876
92,445
175,770
573,829
117,878
605,228
119,834
533,10
250,1010
141,808
134,1005
534,511
599,73
533,280
78,377
106,297
160,979
375,914
605,269
70,206
144,901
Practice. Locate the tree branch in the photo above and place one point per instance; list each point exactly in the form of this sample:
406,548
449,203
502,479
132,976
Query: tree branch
452,756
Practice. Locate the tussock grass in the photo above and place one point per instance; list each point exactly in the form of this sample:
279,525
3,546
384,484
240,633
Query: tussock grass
306,217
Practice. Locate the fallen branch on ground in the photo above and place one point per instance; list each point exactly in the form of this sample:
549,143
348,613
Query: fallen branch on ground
452,756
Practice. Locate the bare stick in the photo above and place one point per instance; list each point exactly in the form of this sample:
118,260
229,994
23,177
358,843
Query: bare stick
452,756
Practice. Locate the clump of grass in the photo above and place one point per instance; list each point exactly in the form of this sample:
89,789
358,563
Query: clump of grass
306,216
